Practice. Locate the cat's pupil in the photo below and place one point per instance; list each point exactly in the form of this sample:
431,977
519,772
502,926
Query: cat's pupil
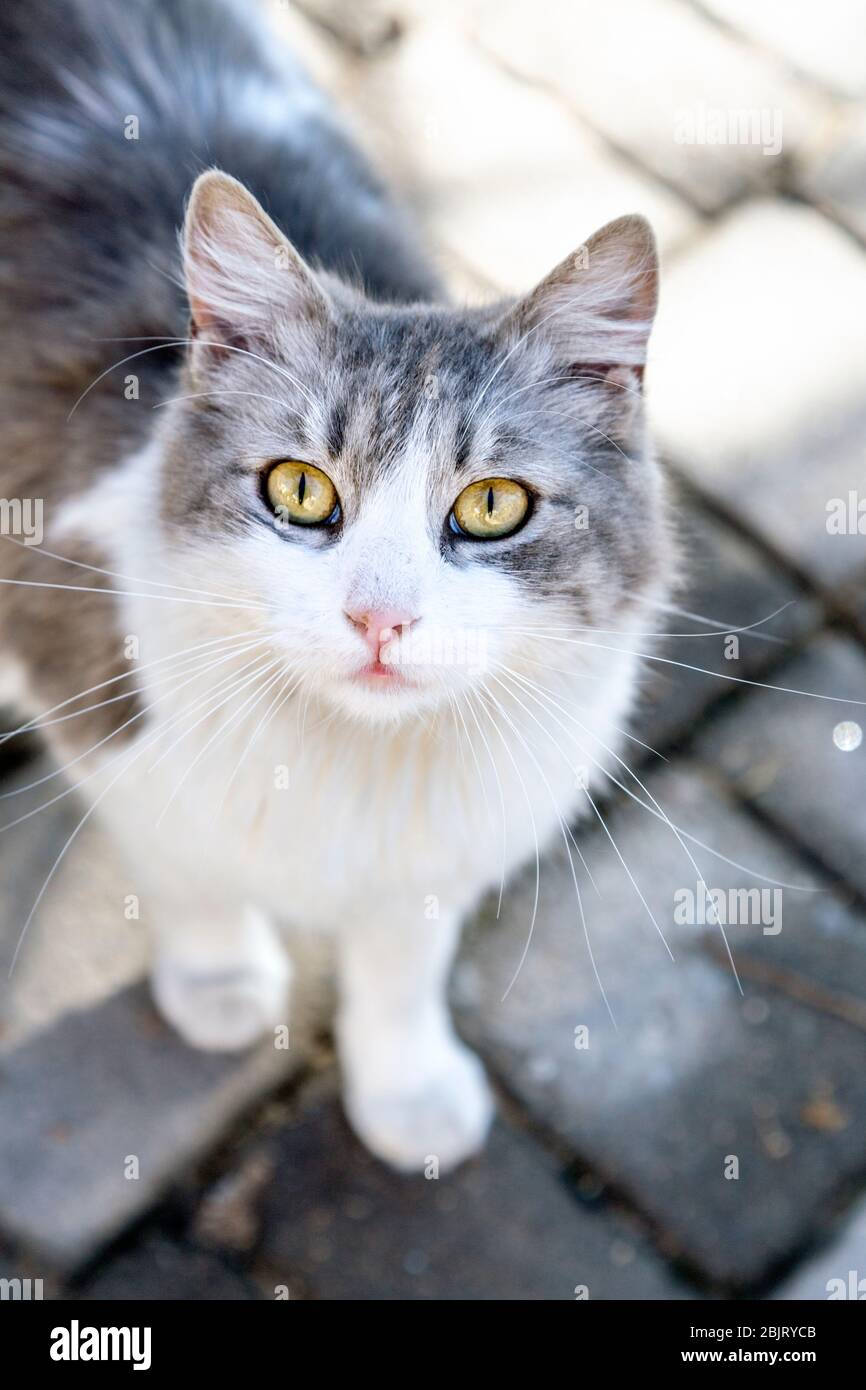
302,487
490,501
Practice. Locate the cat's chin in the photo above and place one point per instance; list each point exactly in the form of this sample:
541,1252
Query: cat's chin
374,698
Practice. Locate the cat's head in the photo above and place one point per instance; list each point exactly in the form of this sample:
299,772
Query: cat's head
419,495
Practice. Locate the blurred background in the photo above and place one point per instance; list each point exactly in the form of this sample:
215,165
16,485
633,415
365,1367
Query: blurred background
709,1138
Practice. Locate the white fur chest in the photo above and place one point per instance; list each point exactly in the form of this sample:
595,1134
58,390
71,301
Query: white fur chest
315,818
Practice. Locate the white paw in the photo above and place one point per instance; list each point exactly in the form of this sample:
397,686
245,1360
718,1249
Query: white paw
227,1005
444,1117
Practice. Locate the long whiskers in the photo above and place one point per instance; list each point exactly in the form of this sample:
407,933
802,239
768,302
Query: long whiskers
660,815
195,342
498,705
140,714
703,670
128,593
281,698
719,629
470,704
199,666
631,878
223,729
485,697
37,721
116,574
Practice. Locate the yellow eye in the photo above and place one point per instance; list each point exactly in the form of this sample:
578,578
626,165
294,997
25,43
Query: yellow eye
300,493
492,508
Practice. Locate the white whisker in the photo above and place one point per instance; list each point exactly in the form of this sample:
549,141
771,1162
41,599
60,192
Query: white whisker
604,826
115,574
36,721
128,593
471,707
703,670
195,342
484,695
200,667
562,827
280,699
68,791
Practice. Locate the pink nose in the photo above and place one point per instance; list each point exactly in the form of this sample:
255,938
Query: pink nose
378,626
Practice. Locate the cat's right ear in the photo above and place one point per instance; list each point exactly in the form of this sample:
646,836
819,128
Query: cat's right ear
243,277
594,312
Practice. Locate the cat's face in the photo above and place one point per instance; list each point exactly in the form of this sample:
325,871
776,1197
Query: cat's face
419,496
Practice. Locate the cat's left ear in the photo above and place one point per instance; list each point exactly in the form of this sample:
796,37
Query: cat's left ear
593,314
243,277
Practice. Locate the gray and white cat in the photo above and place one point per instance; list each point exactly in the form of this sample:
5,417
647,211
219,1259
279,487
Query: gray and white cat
362,553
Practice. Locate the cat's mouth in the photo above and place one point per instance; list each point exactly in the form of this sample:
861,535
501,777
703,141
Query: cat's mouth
377,675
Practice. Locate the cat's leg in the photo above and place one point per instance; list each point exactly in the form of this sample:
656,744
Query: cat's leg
412,1091
219,972
220,976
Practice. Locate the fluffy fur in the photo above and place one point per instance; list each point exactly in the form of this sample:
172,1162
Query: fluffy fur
249,770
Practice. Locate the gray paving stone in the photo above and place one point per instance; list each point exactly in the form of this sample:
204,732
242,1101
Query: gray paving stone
90,1075
503,177
757,379
363,28
23,848
779,751
596,58
818,954
833,172
693,1073
79,947
827,41
838,1270
159,1268
311,42
338,1225
104,1085
728,580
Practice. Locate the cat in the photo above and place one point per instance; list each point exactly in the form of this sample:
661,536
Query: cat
314,626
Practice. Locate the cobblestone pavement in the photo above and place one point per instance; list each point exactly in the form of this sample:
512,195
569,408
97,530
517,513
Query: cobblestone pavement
713,1141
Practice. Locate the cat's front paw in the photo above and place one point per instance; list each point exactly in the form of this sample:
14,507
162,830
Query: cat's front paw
227,1006
443,1115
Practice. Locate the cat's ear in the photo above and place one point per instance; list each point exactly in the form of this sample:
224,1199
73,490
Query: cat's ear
243,277
593,314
